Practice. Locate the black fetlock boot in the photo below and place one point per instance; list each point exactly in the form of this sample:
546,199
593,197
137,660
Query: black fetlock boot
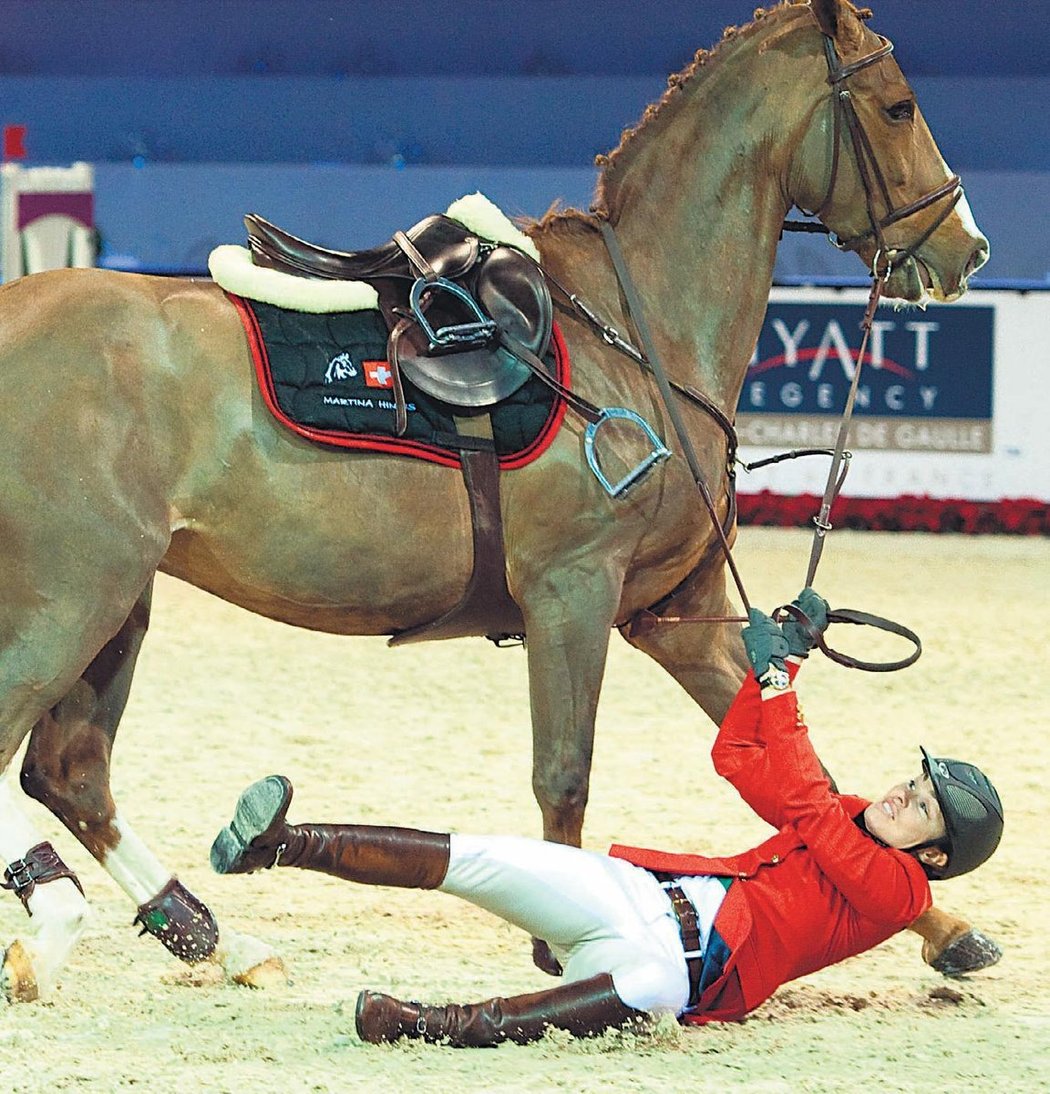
585,1008
259,837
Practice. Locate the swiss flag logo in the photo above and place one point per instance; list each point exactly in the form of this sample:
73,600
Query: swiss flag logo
378,374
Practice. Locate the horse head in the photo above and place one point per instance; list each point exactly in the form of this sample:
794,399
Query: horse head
873,174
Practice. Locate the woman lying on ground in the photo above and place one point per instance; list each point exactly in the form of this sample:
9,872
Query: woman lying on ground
641,932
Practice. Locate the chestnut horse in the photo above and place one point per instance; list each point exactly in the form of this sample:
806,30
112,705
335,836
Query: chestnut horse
154,452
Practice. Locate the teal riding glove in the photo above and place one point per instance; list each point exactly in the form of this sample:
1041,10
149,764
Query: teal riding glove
800,638
766,649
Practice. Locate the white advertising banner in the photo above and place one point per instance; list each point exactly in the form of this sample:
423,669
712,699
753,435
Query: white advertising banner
953,401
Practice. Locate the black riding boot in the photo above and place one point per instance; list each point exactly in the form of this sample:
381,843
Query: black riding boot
259,837
585,1008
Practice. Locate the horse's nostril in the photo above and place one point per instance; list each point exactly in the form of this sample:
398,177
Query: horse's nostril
978,258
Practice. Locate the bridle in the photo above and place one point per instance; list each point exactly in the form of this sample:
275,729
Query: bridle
873,181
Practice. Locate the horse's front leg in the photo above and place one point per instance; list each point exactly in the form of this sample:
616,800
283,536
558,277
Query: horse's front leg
67,769
568,626
568,623
708,660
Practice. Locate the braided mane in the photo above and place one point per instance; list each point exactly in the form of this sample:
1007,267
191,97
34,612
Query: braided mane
557,217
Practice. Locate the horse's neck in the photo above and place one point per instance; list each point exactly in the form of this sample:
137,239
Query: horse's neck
698,195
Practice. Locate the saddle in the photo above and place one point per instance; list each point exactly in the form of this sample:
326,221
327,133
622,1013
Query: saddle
469,320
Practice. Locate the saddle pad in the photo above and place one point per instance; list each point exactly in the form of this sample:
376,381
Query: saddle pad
326,377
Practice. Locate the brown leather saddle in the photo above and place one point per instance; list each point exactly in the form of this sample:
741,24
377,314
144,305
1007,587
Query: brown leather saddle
469,320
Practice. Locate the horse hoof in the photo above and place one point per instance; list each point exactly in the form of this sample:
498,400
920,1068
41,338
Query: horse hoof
270,973
970,952
17,980
246,960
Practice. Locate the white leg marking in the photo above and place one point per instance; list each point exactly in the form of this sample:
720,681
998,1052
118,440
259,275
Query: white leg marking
133,866
58,912
17,835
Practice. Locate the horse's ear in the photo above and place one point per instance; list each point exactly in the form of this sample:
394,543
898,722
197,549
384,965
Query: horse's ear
827,13
838,20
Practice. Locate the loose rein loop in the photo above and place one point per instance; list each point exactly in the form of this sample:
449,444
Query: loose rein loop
860,619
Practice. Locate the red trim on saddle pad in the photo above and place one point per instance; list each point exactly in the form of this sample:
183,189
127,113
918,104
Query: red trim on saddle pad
377,442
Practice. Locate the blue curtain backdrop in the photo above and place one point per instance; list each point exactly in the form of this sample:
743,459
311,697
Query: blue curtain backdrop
345,119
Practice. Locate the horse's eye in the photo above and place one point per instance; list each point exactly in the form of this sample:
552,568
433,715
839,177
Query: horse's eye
903,111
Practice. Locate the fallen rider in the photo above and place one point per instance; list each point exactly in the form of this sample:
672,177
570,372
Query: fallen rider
641,932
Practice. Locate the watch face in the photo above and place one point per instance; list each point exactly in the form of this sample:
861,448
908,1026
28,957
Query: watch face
776,678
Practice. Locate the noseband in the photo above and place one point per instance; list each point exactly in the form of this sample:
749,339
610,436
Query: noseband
871,176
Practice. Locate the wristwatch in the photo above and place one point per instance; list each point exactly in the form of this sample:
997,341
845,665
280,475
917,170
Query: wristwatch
776,678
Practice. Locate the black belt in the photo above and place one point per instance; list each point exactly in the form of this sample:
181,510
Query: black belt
685,913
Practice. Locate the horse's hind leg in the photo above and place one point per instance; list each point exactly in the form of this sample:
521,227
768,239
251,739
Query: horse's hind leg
67,768
51,895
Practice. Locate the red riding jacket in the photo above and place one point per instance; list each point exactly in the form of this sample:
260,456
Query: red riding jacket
818,891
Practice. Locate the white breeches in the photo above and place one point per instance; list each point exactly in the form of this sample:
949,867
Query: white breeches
598,914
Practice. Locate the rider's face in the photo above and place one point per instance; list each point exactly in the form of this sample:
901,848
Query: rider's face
907,815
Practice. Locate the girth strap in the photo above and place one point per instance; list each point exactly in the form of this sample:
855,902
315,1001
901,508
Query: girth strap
486,607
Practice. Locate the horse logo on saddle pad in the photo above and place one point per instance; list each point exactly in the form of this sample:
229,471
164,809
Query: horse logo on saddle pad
341,367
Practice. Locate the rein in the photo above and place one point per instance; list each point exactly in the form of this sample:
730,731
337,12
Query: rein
637,314
612,337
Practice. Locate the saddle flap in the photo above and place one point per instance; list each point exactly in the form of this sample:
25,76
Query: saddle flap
473,378
513,292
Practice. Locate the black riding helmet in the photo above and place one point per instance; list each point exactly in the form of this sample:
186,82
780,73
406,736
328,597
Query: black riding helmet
972,811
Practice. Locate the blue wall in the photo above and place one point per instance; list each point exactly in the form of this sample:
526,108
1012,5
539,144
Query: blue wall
993,123
169,217
344,119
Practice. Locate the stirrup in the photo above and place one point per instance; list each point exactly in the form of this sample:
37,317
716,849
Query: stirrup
457,336
659,450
